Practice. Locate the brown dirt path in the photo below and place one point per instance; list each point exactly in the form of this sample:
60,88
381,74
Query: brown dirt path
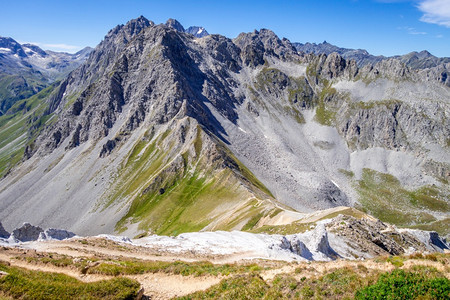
156,285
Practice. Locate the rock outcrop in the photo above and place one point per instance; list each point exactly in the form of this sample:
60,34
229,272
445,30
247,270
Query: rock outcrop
26,233
55,234
3,233
29,233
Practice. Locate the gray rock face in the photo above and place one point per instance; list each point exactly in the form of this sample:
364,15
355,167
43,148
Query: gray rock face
432,241
26,233
172,23
3,233
377,238
55,234
254,46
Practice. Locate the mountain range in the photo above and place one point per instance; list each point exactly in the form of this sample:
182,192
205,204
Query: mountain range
27,69
166,130
413,60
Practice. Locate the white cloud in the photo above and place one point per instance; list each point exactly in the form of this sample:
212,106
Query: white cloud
55,47
412,30
435,12
61,46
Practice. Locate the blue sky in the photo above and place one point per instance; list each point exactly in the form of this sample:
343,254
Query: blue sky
386,27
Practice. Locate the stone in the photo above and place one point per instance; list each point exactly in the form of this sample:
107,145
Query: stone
56,234
26,233
3,233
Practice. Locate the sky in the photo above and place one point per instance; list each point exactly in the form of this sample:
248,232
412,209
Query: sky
382,27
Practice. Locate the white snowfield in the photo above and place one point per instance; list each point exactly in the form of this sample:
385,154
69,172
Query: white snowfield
236,245
317,244
314,245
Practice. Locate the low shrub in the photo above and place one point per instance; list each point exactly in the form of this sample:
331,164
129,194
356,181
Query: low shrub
400,284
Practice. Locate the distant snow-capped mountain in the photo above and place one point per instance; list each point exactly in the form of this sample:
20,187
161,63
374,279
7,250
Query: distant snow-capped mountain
26,69
196,31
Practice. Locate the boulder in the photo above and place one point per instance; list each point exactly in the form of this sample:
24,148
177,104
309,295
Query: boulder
26,233
55,234
3,233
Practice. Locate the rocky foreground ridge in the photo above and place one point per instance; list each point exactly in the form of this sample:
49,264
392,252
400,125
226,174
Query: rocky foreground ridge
166,132
340,237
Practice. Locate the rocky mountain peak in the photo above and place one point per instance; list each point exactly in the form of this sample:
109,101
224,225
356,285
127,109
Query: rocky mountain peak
35,49
197,31
424,54
131,28
172,23
13,46
84,52
257,43
135,26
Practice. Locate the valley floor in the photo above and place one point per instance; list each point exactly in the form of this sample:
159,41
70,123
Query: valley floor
165,275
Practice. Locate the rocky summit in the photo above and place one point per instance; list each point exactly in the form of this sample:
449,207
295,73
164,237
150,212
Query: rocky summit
166,130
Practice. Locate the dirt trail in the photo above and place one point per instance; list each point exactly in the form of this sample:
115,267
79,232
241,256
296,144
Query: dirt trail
164,286
49,268
312,269
156,285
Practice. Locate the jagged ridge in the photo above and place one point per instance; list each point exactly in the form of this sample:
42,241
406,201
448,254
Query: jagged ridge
131,118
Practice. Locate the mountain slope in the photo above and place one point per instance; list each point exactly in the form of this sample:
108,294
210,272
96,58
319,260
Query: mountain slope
27,69
164,132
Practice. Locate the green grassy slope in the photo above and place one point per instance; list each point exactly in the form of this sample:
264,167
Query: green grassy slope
176,187
21,125
383,196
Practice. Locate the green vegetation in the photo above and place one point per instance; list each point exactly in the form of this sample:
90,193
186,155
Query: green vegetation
406,285
383,196
325,115
284,229
14,88
344,283
71,99
237,287
300,92
297,227
20,127
133,267
311,72
295,114
347,173
26,284
198,141
183,205
240,281
271,80
397,261
441,226
337,284
388,103
114,267
252,222
172,193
